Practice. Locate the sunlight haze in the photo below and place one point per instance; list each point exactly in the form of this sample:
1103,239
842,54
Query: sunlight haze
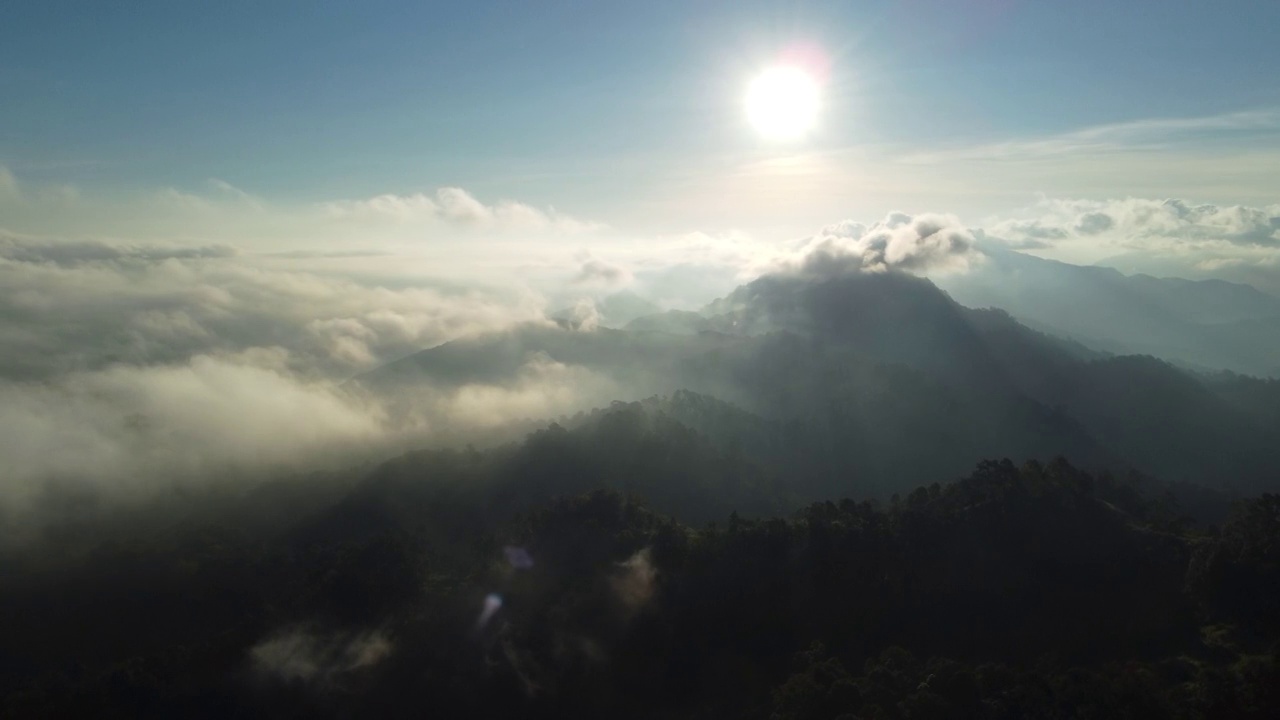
576,359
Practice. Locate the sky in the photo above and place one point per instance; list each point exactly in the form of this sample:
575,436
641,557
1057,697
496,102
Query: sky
631,113
214,215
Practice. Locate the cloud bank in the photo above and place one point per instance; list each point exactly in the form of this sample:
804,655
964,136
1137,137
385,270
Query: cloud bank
130,369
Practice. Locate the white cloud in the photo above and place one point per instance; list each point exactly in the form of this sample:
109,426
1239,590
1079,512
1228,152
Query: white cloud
918,244
129,434
1204,235
543,388
132,368
584,315
82,305
124,428
224,212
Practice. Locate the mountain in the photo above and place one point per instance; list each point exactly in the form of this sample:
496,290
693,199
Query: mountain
875,382
1210,324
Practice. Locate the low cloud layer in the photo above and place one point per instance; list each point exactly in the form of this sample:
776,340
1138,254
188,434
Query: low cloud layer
129,434
129,369
85,305
125,425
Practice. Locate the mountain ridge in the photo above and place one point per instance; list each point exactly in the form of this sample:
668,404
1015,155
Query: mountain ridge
870,364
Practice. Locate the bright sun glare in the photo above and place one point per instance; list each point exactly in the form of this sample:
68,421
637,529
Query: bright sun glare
782,103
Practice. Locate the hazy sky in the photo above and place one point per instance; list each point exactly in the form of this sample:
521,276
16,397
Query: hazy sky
212,214
630,114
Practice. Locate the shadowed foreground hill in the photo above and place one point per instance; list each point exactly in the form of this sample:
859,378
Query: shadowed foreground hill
451,582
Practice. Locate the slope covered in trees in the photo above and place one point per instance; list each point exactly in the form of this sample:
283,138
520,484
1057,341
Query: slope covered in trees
535,580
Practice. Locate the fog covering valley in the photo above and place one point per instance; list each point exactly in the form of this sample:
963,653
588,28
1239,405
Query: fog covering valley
308,483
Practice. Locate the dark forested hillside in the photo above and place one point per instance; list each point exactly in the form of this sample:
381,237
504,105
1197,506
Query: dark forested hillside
628,566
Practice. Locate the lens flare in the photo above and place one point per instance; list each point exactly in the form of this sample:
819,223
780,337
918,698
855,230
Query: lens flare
517,557
492,604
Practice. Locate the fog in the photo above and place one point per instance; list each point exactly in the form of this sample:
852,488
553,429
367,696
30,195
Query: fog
195,354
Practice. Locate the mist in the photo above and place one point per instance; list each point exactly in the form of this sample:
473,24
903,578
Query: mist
331,449
131,367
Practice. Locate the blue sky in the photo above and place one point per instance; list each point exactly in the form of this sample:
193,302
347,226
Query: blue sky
215,212
631,112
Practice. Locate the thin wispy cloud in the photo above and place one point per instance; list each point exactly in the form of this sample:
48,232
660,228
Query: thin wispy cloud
221,210
1137,135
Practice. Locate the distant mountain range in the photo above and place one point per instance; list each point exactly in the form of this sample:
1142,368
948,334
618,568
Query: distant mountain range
1206,324
876,383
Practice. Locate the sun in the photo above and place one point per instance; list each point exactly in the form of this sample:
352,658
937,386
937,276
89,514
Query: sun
782,103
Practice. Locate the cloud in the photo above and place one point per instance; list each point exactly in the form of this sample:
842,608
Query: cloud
84,305
542,388
917,244
1224,159
1030,230
983,240
636,581
1155,226
299,655
1170,237
123,429
79,252
127,435
539,388
584,315
222,211
458,207
1146,133
599,273
1092,223
131,369
1165,237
